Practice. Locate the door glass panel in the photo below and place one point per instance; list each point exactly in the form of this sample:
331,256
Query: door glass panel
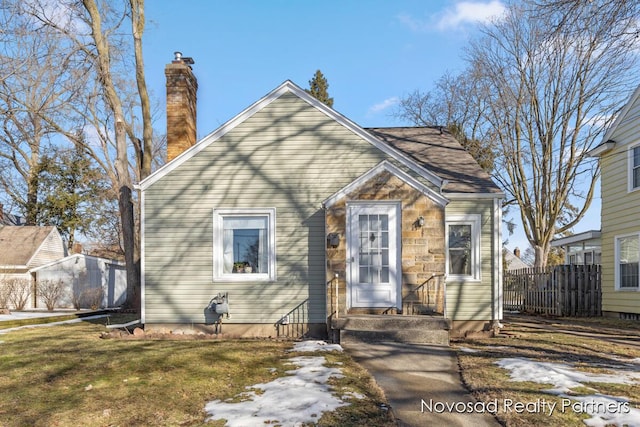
374,249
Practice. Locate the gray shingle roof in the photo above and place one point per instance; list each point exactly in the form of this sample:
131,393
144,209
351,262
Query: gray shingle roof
440,153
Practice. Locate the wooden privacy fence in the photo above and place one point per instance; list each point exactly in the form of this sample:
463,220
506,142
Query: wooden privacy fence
562,290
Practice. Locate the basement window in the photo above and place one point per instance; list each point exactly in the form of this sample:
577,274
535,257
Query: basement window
244,244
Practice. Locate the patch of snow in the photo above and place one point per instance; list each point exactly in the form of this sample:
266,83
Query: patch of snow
312,345
468,350
300,397
352,395
561,375
604,410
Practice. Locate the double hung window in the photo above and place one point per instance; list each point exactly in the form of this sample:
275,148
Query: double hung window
463,247
627,252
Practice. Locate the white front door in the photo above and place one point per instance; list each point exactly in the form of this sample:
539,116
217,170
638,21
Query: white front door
373,254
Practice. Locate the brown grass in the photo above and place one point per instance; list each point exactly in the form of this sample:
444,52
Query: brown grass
67,375
591,345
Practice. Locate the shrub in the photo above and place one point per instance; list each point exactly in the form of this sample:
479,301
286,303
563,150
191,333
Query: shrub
19,292
84,296
51,292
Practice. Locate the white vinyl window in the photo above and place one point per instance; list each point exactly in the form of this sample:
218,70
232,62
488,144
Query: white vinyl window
627,252
244,244
634,168
463,247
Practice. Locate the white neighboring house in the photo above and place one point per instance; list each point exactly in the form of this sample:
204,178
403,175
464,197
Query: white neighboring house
89,281
25,247
582,248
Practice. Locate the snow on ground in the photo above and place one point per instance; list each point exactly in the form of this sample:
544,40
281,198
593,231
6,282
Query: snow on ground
604,410
300,397
315,346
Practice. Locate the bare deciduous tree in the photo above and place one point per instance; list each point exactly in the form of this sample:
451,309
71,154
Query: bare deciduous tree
113,106
548,95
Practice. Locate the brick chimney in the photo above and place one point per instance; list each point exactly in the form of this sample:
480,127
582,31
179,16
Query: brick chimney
181,105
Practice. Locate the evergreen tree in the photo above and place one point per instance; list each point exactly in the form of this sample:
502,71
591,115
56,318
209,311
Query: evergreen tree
318,89
72,191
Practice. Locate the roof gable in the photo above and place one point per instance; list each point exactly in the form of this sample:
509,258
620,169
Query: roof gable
635,97
385,166
20,244
284,88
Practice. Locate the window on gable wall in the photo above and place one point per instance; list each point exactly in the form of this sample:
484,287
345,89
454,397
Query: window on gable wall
244,244
463,247
634,168
627,252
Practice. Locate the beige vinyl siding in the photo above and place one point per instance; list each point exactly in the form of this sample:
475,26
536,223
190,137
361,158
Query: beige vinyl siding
51,249
472,300
620,211
288,156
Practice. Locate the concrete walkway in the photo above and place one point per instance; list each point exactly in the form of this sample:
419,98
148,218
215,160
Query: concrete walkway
418,381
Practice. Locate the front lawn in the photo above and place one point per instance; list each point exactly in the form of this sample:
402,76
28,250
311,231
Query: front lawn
562,372
67,375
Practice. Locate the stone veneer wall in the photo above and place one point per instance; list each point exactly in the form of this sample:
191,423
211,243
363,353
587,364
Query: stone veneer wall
423,251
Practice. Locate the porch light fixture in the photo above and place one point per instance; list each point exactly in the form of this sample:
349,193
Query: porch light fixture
420,221
333,240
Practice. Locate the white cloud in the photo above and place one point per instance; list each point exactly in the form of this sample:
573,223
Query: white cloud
464,12
384,105
469,12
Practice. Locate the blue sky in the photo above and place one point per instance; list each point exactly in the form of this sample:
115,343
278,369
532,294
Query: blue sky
372,53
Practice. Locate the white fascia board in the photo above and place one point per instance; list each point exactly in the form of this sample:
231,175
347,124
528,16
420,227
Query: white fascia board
216,134
602,148
473,196
385,165
355,128
14,267
288,87
498,291
576,238
143,283
632,100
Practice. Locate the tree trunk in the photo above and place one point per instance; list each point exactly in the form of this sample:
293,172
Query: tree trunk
125,205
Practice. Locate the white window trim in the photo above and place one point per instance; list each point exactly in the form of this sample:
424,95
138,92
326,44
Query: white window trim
474,220
218,216
630,186
617,262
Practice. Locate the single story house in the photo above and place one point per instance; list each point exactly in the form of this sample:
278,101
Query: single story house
582,248
23,248
619,156
298,214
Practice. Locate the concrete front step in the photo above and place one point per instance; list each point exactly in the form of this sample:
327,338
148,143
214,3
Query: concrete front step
409,336
407,329
390,323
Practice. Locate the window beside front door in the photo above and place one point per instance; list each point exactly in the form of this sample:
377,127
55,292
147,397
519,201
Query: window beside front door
463,247
244,244
627,253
